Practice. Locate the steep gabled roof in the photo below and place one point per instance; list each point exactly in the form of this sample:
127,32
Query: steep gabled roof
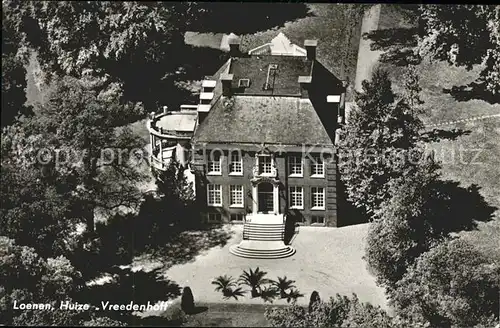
280,45
283,81
262,119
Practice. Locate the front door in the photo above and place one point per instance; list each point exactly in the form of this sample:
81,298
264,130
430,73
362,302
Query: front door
266,199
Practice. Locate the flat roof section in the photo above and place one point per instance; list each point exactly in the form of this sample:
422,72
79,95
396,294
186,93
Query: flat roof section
177,121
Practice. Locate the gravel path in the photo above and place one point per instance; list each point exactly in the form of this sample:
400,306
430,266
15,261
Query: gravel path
328,260
367,58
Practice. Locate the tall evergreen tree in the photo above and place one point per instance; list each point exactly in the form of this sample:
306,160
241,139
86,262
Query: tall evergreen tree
177,194
403,228
381,134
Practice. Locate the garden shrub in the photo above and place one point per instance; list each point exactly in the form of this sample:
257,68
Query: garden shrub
187,300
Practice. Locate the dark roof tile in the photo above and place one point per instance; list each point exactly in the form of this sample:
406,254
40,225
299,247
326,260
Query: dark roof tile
262,119
255,68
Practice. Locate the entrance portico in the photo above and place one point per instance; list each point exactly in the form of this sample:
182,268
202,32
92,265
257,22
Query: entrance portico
266,198
265,204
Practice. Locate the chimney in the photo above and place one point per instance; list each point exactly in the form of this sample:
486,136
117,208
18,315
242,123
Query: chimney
165,109
234,47
305,82
310,46
227,80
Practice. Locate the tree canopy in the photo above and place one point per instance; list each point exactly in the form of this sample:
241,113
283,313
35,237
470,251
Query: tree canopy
13,75
464,35
402,229
381,132
450,285
82,121
137,43
79,156
339,311
28,278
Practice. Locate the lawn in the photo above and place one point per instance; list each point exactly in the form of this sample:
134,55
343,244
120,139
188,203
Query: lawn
326,23
480,137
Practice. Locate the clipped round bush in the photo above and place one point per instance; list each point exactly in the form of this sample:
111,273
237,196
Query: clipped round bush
314,300
187,300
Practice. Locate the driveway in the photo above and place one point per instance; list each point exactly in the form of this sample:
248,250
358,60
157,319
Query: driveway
328,260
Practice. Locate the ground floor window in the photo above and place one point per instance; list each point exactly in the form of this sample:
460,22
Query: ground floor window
237,217
214,195
296,197
301,219
236,196
318,198
316,219
214,217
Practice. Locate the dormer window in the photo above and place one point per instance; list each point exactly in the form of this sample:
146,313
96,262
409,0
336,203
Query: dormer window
243,83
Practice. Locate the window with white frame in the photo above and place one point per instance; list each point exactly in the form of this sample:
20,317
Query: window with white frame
317,167
296,197
214,163
236,163
315,219
236,196
214,195
214,217
295,166
318,198
265,164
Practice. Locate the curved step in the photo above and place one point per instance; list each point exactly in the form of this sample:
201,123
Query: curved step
264,232
262,225
261,229
264,238
267,251
278,236
262,254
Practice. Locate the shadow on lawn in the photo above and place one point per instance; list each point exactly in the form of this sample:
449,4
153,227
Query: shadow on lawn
473,90
453,208
246,18
156,230
397,45
438,134
184,247
449,206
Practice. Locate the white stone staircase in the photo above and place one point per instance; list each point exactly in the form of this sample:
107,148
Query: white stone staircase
262,249
263,231
263,236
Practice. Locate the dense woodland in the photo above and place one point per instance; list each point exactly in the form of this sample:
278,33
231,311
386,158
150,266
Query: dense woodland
109,63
